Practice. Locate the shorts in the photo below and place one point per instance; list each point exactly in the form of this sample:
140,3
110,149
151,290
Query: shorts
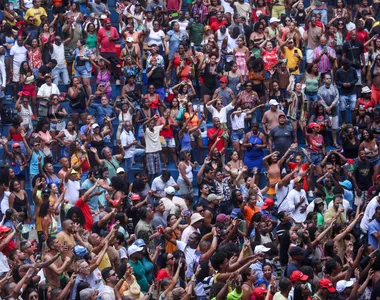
21,176
195,135
312,96
347,101
335,122
374,161
58,10
267,75
167,142
16,74
259,89
57,126
208,91
81,71
153,163
77,110
237,135
309,56
316,158
30,89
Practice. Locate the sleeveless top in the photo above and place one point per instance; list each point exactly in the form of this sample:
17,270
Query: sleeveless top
233,82
189,173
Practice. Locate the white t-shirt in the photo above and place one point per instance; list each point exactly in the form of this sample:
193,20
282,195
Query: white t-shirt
222,114
237,122
48,90
281,193
155,37
368,213
72,192
5,202
127,138
152,139
170,205
158,185
59,55
19,54
191,257
186,234
292,199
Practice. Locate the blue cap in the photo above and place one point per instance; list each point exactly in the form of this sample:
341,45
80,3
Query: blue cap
140,243
236,213
346,184
79,251
261,281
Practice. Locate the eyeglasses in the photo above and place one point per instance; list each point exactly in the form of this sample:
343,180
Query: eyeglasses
55,98
170,258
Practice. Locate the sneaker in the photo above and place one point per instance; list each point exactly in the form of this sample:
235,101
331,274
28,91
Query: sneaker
310,194
117,81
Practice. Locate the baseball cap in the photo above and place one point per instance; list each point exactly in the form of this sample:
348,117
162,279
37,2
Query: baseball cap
196,218
348,185
129,40
341,285
318,201
102,17
274,20
223,79
312,125
93,126
4,229
139,243
135,197
85,294
45,191
222,218
74,171
120,170
16,145
298,275
327,284
134,249
268,202
213,197
296,250
260,249
259,291
207,28
170,190
273,102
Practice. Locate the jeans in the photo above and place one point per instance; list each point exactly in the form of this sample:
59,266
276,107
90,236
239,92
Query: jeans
62,73
129,161
347,101
312,96
323,13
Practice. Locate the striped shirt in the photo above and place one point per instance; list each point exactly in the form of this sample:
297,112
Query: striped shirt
324,64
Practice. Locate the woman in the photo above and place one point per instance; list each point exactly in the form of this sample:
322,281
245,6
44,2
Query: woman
235,165
254,142
174,37
311,80
257,77
155,101
48,172
141,116
176,60
66,136
241,56
258,36
18,200
130,68
248,99
10,219
156,37
194,122
35,57
293,34
132,89
79,159
25,111
296,110
77,96
340,38
103,74
125,113
184,92
16,132
174,229
270,59
366,102
350,143
375,127
371,148
48,219
18,161
97,141
74,11
275,93
375,79
316,149
319,206
185,177
90,36
167,267
214,7
363,121
43,133
235,78
82,65
157,80
44,37
210,70
167,137
28,84
261,6
322,119
9,41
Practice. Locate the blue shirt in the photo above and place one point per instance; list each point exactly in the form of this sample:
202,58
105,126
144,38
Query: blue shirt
102,112
34,170
373,227
93,203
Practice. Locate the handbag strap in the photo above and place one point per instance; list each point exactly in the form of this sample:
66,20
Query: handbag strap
287,192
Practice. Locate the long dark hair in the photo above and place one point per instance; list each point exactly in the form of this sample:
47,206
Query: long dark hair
44,209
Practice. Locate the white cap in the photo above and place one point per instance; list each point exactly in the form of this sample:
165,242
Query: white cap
273,102
133,249
261,249
366,90
341,285
170,190
195,218
102,17
120,170
93,126
259,13
129,39
273,20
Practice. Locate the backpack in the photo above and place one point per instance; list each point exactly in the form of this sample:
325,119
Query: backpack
7,114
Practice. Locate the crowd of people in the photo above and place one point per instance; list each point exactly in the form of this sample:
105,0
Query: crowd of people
213,149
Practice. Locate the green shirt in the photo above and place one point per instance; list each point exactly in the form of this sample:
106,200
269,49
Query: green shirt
139,272
320,219
196,33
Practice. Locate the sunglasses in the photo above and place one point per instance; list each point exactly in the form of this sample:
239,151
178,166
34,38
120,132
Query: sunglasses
201,211
170,258
121,173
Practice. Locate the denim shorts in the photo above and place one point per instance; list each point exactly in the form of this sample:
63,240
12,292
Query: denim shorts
81,71
316,158
237,135
375,161
77,110
167,142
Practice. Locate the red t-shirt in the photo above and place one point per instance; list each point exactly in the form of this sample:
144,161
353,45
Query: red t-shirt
8,248
107,45
220,144
304,167
166,132
215,25
361,36
86,212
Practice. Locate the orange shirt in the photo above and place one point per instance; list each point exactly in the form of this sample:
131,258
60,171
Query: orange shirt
249,212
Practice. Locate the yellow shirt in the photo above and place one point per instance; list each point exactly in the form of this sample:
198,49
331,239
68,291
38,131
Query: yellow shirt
35,13
291,59
106,262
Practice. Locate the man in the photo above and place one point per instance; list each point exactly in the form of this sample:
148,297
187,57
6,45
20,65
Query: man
30,31
196,222
199,9
324,56
72,185
296,257
312,36
133,50
103,110
153,145
94,200
35,12
272,31
346,78
144,229
325,289
67,236
196,30
374,230
160,215
206,175
243,9
362,176
353,50
285,285
271,116
171,202
3,81
18,54
328,96
369,212
281,137
224,94
59,266
48,88
219,21
211,210
293,57
111,279
297,203
214,133
132,148
98,8
160,183
57,50
106,41
336,212
45,69
258,266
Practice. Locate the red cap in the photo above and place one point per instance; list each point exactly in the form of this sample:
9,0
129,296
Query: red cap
16,145
135,197
107,20
223,79
312,125
268,202
4,229
259,291
327,284
298,275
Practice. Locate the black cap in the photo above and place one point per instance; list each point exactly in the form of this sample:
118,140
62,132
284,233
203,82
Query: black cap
45,191
294,251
